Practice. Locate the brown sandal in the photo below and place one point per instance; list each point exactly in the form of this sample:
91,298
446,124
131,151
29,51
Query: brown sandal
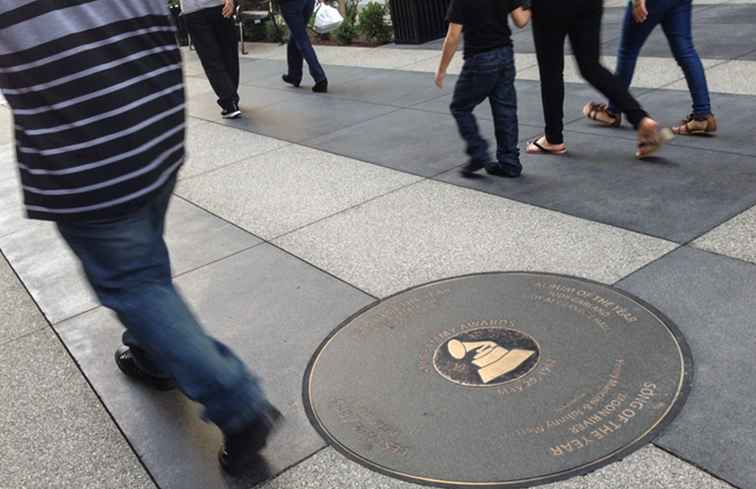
696,127
647,147
595,111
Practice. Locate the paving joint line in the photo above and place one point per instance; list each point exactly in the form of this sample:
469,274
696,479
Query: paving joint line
694,464
84,376
22,336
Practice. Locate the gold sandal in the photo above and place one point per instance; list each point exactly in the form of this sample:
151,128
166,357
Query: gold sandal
593,111
696,127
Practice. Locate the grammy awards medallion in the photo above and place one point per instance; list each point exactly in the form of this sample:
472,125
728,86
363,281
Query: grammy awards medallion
497,380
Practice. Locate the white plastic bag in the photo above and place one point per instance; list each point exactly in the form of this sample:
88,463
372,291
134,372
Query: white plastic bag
327,19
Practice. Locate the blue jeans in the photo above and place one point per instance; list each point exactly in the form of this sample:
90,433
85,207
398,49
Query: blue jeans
489,75
297,14
126,262
675,19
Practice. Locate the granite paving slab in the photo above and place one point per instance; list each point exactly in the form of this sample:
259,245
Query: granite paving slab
268,74
398,88
51,271
725,13
736,129
210,146
297,118
11,209
55,431
6,126
735,77
735,238
712,41
7,161
711,299
253,101
529,106
280,191
649,468
433,230
195,86
417,142
273,310
679,195
18,313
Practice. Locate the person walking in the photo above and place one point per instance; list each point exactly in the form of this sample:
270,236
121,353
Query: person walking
296,14
213,33
98,103
553,21
488,73
675,17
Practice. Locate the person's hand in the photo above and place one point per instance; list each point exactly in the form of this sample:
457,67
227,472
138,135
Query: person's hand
440,75
640,13
228,9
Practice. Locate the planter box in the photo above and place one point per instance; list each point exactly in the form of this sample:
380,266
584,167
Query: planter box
418,21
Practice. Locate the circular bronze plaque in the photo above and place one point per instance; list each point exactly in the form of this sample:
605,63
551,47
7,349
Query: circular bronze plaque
497,380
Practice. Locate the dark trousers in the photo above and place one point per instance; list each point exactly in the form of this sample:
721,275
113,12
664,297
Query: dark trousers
127,264
553,20
297,14
215,39
675,17
489,75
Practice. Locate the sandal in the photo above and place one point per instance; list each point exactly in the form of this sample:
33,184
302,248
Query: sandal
647,147
536,148
697,127
600,113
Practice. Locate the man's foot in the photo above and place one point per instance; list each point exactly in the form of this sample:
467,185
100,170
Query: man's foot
543,146
321,87
239,448
231,112
697,125
127,360
472,166
650,138
291,81
600,113
506,171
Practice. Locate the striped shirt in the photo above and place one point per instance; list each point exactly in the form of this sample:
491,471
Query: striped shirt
97,96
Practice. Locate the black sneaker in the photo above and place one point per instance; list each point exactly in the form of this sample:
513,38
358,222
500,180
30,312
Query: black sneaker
321,87
127,360
290,81
231,112
471,167
242,447
504,171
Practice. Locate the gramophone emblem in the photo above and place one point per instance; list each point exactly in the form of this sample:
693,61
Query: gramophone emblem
491,359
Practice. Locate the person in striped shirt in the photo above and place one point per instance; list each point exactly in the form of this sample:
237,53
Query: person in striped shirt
96,91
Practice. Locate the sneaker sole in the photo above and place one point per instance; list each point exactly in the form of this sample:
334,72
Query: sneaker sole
232,115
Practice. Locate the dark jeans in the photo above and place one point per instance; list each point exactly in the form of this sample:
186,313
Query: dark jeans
553,20
675,17
297,14
489,75
126,262
215,39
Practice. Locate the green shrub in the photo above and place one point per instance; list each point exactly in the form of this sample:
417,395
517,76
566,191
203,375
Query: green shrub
351,9
279,35
346,33
373,23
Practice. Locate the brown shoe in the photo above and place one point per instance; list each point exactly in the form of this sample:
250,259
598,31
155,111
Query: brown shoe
697,126
600,113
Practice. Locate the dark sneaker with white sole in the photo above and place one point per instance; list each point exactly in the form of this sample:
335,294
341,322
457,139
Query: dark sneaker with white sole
127,359
231,112
241,448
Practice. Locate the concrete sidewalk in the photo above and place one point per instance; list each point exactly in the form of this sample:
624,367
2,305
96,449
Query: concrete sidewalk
291,219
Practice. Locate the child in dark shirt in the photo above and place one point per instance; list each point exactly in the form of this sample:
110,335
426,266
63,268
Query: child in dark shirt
488,72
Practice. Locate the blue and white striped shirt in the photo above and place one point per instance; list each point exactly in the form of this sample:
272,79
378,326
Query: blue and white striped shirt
97,96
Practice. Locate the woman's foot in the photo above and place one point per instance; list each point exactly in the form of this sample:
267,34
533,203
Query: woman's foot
543,146
291,81
696,125
321,87
650,138
600,113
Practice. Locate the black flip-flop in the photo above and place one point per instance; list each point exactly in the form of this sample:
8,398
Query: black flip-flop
543,150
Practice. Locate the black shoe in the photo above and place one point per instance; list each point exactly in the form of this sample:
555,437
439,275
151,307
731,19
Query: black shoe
471,167
127,360
242,447
321,87
290,81
504,171
231,112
